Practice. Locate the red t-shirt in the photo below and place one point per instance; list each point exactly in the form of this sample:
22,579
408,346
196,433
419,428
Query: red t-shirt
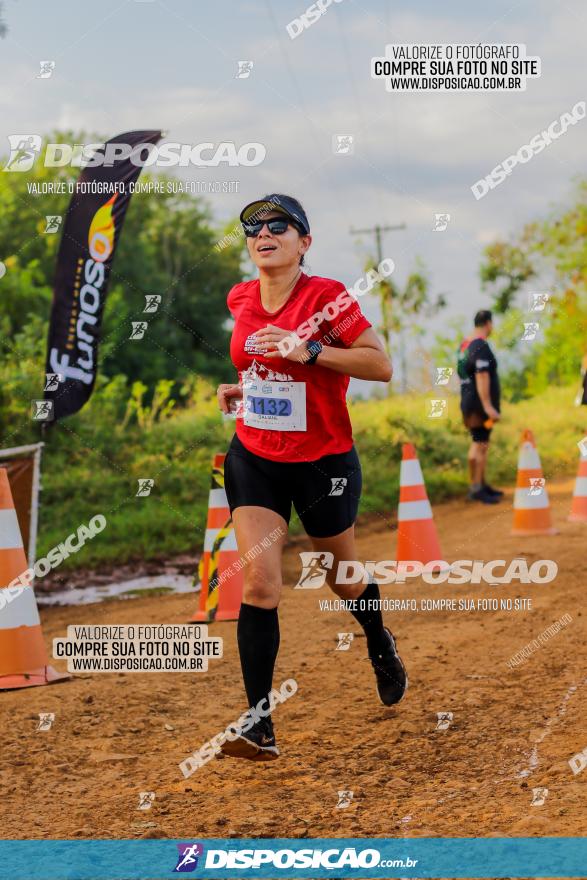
327,420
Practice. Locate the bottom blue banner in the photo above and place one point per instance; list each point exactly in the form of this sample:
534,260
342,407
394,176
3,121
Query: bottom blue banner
275,858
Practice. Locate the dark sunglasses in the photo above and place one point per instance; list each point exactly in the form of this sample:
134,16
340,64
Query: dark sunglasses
277,226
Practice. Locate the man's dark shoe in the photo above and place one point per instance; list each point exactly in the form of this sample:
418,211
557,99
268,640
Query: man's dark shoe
390,673
491,491
483,496
257,744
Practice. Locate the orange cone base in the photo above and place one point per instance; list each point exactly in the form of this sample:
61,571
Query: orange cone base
529,532
229,596
200,617
204,617
417,541
578,509
533,522
34,678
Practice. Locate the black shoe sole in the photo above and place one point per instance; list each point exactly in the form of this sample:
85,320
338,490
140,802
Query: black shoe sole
246,748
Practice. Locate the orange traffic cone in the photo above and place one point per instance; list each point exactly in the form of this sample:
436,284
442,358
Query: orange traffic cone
23,657
531,505
579,505
417,540
220,569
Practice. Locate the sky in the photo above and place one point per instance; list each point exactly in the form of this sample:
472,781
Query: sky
172,64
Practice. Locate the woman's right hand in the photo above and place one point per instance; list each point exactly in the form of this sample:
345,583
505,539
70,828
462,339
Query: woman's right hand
226,394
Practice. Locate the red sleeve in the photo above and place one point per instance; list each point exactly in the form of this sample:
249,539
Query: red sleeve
231,299
349,322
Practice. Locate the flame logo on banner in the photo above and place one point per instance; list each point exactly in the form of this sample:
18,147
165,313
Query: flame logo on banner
101,234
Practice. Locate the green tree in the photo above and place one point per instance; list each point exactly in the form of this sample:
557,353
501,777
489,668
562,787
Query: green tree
552,254
167,247
506,267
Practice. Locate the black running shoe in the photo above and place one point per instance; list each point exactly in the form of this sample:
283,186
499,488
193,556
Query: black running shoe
390,672
257,744
491,491
483,496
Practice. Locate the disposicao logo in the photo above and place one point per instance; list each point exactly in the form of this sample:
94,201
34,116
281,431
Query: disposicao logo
188,855
25,149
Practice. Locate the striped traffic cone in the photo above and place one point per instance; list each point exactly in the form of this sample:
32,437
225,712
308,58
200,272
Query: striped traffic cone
417,540
579,505
531,505
220,569
23,657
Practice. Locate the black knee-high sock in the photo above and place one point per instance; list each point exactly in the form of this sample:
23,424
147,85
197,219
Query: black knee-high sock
370,618
258,644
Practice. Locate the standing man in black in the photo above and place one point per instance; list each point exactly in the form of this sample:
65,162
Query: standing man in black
480,401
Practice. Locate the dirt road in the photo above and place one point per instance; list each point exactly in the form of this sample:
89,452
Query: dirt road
513,730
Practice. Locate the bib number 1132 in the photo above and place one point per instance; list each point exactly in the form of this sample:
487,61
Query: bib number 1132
275,406
270,406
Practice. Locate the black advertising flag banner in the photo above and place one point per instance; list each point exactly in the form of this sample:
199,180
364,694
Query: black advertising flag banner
90,233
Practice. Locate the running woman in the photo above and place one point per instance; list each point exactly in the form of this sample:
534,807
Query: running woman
294,444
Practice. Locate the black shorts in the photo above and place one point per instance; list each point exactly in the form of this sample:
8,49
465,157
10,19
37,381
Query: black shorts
473,421
480,435
325,493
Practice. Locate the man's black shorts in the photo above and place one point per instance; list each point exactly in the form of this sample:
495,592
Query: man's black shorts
480,435
473,421
325,493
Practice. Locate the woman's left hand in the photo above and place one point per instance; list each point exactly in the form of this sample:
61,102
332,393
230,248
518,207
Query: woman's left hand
277,342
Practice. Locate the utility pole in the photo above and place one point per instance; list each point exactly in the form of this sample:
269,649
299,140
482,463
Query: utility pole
378,230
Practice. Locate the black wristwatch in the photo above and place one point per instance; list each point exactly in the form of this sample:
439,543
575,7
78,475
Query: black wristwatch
314,349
